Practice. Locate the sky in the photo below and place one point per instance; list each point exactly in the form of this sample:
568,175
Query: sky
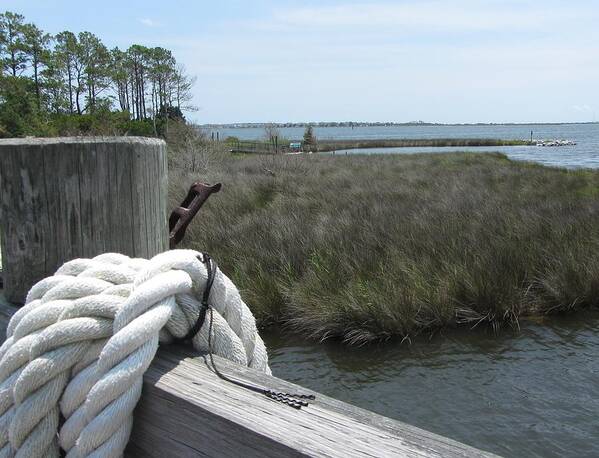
455,61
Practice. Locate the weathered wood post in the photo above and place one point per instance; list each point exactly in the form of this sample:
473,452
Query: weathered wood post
63,198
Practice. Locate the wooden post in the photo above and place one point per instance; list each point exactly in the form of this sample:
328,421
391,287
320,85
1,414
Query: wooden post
64,198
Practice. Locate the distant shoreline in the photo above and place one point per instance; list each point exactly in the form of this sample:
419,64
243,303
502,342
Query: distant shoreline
351,124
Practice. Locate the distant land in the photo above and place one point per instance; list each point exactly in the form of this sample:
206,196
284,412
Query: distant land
241,125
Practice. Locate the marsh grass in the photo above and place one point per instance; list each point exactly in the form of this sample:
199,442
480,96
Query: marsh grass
333,145
364,248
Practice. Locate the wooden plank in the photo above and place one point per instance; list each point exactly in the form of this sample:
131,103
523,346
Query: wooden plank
64,198
23,215
187,411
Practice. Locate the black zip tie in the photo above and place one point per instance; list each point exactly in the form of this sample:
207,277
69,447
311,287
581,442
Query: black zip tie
293,400
297,401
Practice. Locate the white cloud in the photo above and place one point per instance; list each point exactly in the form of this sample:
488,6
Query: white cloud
148,22
442,15
582,108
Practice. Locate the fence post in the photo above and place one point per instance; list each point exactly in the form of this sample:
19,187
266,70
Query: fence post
64,198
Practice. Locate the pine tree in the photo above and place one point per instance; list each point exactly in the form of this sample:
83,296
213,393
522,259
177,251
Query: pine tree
12,43
36,46
309,138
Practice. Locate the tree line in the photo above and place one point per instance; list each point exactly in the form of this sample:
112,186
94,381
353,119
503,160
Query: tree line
73,83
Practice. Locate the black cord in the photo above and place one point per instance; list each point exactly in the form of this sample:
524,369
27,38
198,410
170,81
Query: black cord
297,401
211,273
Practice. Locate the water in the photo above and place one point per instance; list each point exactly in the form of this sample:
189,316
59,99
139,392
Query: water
584,154
532,393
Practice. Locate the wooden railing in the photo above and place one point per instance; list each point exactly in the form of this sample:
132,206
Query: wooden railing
186,411
256,147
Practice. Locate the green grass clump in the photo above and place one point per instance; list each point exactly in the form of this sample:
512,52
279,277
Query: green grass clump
370,247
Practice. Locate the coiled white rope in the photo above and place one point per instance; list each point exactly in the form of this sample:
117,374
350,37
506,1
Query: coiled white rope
85,336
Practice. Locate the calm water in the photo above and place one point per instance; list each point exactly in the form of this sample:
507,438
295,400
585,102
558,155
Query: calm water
523,394
584,154
520,394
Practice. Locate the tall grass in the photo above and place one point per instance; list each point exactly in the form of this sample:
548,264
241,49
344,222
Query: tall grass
371,247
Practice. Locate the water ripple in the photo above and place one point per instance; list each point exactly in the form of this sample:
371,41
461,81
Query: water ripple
528,393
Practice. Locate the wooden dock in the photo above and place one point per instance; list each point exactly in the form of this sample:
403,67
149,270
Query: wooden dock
187,411
56,206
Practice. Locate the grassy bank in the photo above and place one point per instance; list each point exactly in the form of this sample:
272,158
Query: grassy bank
332,145
372,247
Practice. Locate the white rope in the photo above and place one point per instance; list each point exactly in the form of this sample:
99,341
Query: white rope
85,336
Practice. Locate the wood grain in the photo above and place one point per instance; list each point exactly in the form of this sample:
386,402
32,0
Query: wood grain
64,198
187,411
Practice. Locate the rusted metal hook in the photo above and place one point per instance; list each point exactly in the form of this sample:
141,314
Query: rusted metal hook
181,216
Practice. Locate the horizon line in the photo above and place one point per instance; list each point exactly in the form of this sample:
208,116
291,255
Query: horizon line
387,123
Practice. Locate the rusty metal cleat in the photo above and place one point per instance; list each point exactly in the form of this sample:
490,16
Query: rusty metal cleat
181,216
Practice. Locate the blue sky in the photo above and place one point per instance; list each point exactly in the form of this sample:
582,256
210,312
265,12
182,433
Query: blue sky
439,61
